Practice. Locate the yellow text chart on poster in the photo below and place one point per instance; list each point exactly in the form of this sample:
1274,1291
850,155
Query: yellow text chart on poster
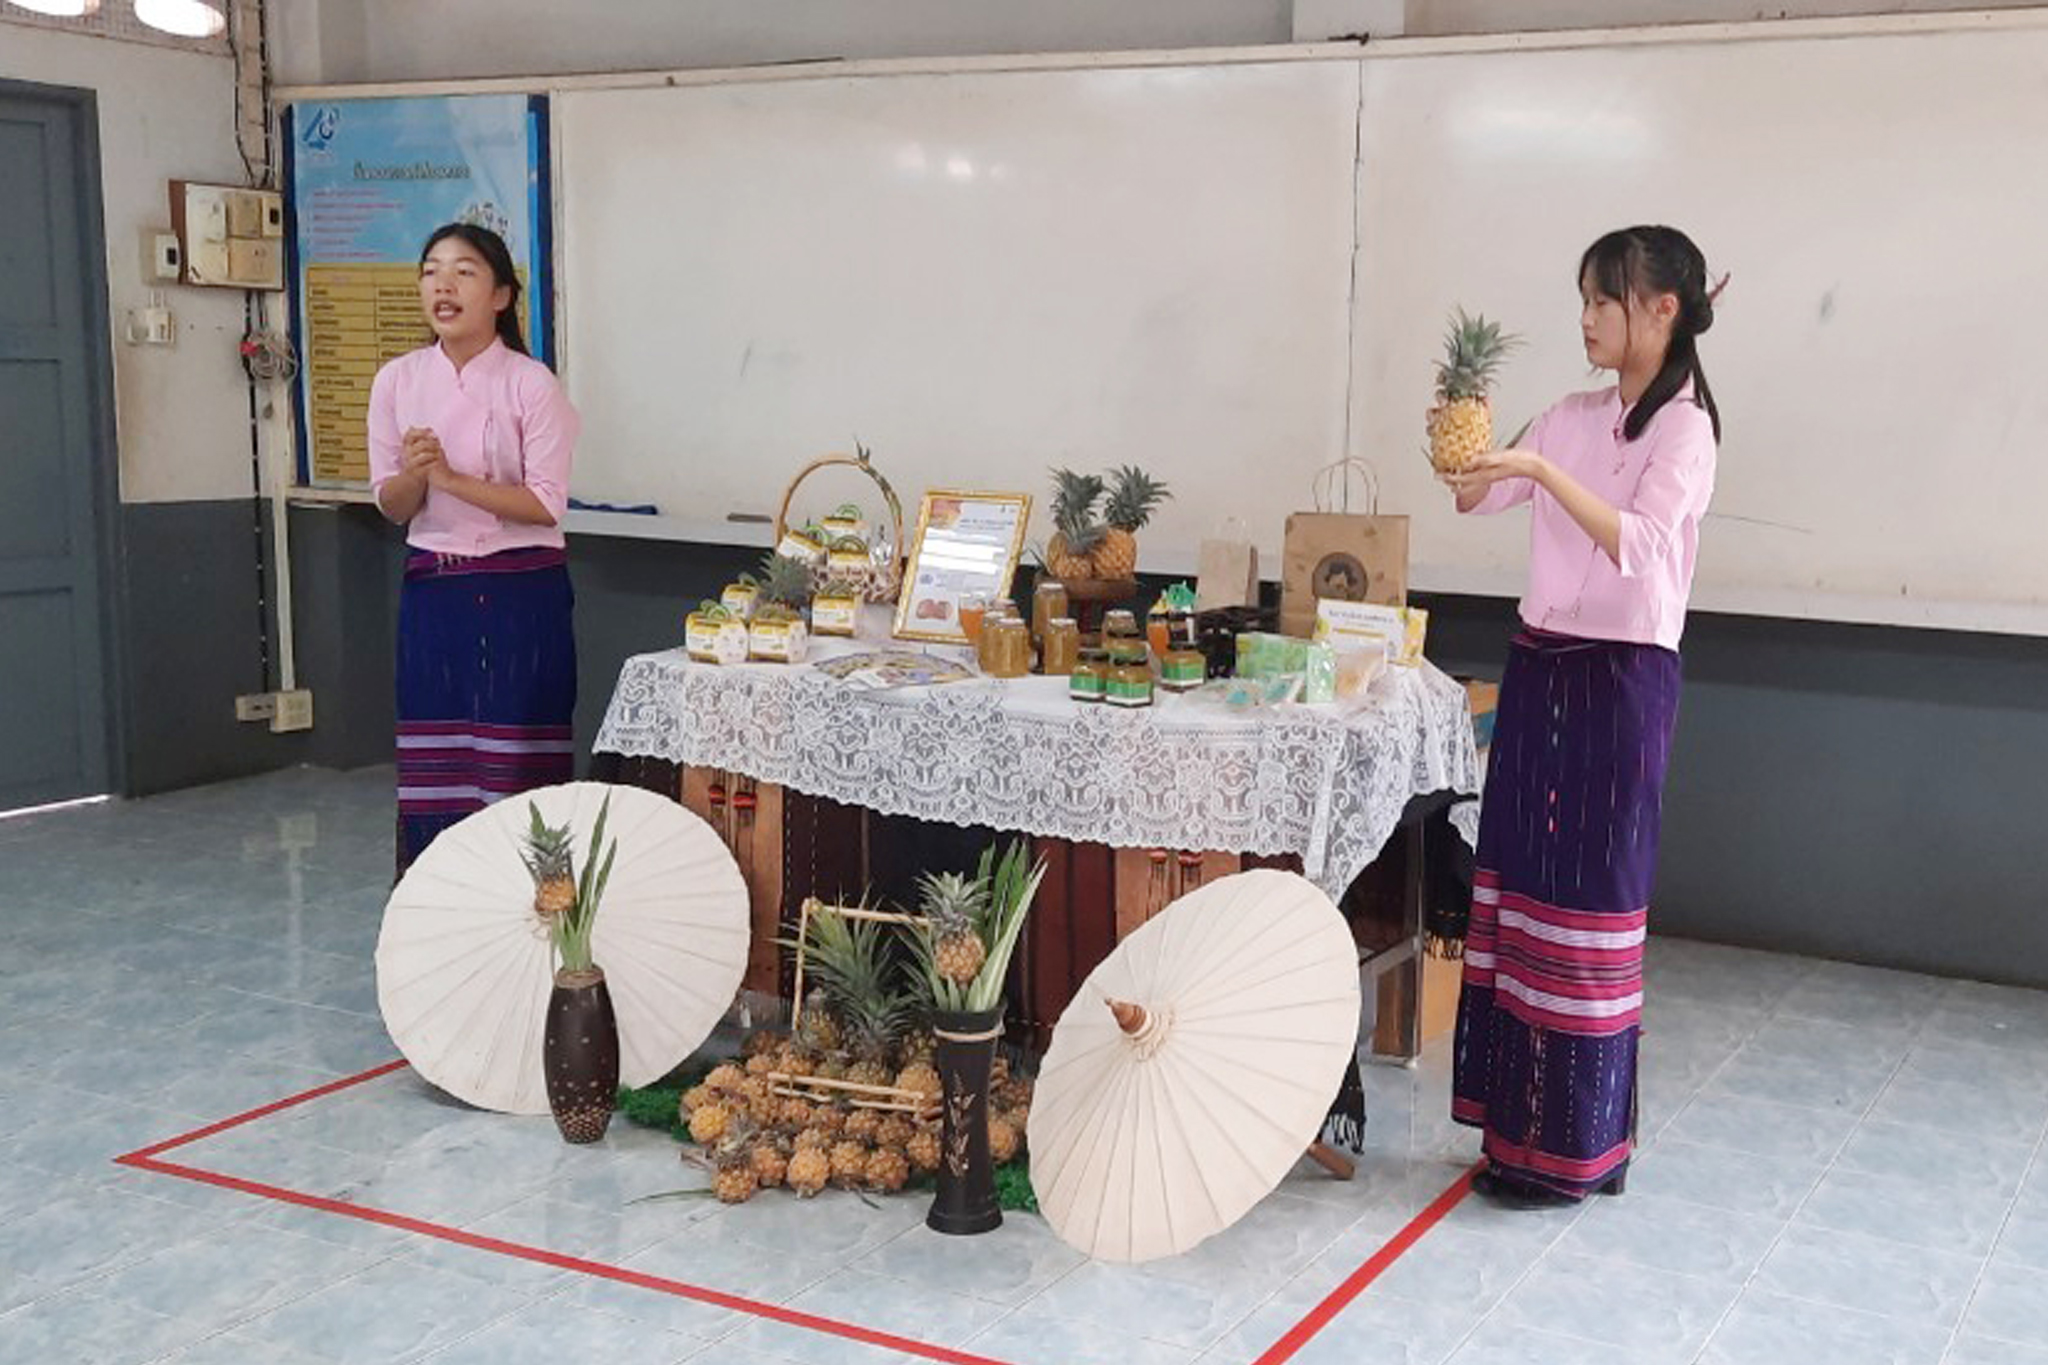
357,317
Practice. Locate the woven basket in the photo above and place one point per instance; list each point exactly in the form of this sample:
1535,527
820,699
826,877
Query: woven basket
878,582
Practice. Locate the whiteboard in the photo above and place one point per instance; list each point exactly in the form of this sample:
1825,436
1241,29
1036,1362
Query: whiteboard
1882,205
978,275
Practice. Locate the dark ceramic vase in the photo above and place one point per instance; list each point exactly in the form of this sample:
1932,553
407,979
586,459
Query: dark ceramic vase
966,1201
580,1055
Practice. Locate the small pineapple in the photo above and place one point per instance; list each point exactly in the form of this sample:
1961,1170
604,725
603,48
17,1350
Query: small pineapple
725,1078
921,1079
864,1125
849,1162
735,1183
814,1140
1129,507
1068,554
829,1117
923,1149
1003,1140
1461,423
832,1068
1014,1094
888,1169
809,1169
819,1031
695,1096
760,1064
793,1113
920,1047
953,904
549,856
894,1131
869,1073
761,1042
771,1167
709,1122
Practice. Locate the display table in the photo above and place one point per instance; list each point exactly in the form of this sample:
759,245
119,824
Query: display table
1172,794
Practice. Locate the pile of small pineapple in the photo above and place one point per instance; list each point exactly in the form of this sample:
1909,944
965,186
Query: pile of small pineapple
779,1118
1088,546
757,1135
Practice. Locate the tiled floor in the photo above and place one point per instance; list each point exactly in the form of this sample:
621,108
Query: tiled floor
1842,1165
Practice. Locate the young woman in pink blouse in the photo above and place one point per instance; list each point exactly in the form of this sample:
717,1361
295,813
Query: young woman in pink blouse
1616,481
470,447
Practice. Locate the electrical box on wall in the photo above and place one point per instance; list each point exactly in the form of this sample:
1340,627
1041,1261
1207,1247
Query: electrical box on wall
228,236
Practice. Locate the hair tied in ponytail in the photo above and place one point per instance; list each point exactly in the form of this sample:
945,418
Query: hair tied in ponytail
1714,292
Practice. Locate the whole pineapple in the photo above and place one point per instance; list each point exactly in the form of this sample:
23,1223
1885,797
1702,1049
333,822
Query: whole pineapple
1130,506
793,1113
814,1140
735,1183
923,1149
953,905
864,1125
1003,1140
725,1078
888,1169
921,1079
809,1169
709,1122
1461,423
771,1167
549,856
895,1130
849,1162
1078,532
851,961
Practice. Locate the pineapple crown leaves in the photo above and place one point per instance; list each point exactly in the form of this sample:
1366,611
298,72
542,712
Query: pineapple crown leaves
849,958
1133,497
571,932
549,851
1474,349
1073,509
785,581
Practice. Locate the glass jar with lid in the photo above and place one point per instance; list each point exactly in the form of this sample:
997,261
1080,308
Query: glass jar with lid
1090,679
1059,646
1129,682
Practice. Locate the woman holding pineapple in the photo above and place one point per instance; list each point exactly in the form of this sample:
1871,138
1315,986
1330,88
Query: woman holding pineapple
1617,481
470,446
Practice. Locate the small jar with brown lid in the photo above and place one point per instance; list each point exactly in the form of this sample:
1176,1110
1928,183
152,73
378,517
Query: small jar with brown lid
1130,675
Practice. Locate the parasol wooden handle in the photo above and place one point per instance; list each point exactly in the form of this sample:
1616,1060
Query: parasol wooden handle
1130,1018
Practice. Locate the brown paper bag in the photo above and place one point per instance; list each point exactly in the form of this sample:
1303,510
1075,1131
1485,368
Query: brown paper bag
1227,571
1338,553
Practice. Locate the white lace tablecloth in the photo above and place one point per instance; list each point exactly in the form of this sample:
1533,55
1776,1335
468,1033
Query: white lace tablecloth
1323,782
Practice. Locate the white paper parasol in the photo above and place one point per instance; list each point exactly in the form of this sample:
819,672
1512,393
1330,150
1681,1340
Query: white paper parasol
1153,1131
464,967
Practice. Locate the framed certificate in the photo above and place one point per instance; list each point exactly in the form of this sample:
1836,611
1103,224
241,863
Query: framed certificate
966,544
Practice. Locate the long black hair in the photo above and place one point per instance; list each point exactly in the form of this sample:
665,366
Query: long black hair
1641,263
498,257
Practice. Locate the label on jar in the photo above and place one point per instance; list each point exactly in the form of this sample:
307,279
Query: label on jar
1181,670
1087,686
1123,691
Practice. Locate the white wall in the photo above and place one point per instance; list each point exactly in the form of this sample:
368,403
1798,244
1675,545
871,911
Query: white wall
1442,17
182,411
340,41
407,40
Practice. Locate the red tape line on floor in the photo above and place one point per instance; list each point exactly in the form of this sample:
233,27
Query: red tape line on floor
146,1159
1375,1266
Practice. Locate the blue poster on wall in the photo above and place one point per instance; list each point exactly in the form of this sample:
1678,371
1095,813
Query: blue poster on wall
369,180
